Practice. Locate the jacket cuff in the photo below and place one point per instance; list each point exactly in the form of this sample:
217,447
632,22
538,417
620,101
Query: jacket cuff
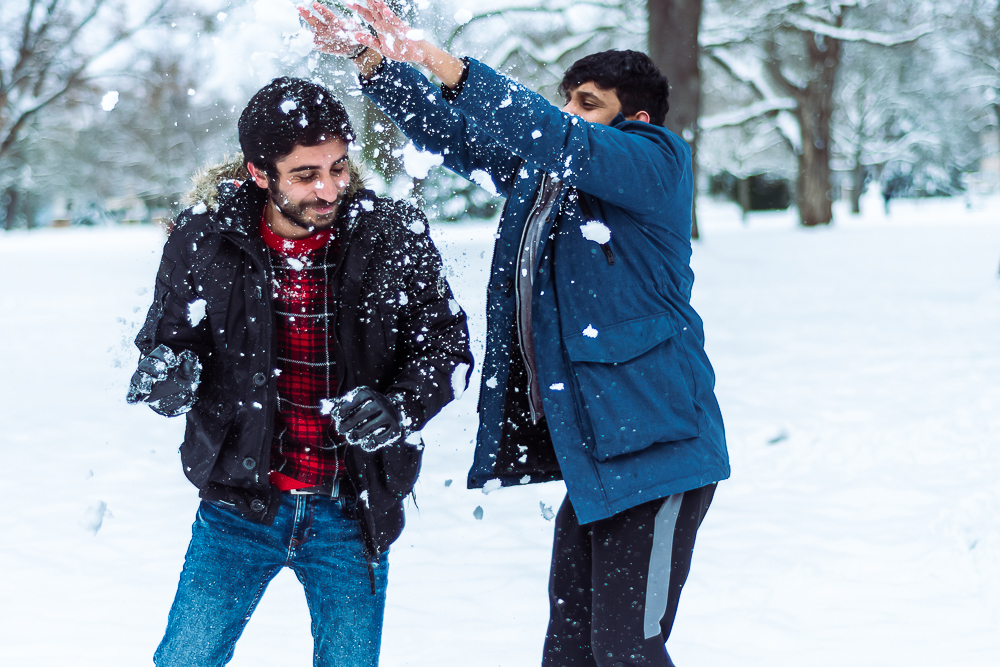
451,94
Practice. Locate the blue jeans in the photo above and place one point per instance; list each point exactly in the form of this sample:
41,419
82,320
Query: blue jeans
231,560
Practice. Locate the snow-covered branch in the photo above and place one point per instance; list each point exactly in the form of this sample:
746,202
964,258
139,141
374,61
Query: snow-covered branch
746,114
807,24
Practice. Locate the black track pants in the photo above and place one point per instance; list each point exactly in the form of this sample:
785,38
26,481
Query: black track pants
615,583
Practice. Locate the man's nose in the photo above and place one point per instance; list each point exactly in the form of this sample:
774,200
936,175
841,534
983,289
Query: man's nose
327,188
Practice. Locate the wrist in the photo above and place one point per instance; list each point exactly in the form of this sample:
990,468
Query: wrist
367,61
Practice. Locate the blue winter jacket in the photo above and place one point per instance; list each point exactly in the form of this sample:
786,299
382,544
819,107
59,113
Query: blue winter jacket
627,389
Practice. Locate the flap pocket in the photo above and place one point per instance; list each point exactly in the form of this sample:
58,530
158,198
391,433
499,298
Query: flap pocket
635,385
620,342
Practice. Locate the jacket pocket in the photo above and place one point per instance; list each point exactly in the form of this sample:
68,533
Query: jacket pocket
400,465
635,385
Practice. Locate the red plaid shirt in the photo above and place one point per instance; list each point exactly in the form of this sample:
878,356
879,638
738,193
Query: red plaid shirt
303,453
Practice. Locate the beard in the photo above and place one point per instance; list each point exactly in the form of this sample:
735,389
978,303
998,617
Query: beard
296,212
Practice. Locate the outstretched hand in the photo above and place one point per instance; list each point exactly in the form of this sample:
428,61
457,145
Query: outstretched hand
394,39
331,33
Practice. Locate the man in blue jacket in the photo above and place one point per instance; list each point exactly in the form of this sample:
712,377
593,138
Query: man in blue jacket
595,369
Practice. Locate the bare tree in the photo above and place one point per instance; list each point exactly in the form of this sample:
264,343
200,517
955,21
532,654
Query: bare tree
46,49
799,45
673,46
976,24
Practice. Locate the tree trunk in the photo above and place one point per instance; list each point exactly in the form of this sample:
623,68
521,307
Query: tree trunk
996,109
814,197
673,46
743,197
380,140
11,212
858,184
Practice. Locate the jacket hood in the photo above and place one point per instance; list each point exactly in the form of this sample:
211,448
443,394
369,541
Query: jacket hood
210,184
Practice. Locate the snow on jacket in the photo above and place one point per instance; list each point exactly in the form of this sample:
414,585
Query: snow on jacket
397,329
627,389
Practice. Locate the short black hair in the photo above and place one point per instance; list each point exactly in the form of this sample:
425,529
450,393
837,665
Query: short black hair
638,83
290,112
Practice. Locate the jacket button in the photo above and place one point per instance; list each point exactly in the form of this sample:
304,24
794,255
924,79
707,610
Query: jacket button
257,506
260,379
249,463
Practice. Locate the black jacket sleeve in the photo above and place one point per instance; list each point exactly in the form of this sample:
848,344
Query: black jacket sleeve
176,317
433,329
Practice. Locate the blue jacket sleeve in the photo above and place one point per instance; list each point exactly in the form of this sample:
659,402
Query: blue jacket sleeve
417,108
631,165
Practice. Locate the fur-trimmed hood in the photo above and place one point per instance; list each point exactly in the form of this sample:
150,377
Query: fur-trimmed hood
210,184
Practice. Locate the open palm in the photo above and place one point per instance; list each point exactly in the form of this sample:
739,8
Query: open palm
331,33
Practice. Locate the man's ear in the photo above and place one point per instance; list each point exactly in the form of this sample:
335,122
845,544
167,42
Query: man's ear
641,116
259,177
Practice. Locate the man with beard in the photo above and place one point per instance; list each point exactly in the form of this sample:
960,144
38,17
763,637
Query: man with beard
304,327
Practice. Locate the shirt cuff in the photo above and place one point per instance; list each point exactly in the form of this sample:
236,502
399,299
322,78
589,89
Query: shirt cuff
451,94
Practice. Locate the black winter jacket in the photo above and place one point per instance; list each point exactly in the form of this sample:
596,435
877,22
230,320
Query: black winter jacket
397,330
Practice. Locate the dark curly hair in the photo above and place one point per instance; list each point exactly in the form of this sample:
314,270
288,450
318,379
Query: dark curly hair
638,83
286,113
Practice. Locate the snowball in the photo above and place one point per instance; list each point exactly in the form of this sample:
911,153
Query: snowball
536,134
491,486
506,102
418,163
196,311
110,100
288,106
301,43
483,180
492,383
191,92
547,512
413,439
222,16
326,405
403,299
463,16
417,227
363,497
454,307
459,380
199,209
416,34
367,205
296,264
558,386
525,480
590,331
596,231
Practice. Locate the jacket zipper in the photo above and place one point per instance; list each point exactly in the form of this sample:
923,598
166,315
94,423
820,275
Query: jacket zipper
518,304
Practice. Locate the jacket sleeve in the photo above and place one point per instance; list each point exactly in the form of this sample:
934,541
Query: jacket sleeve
432,124
176,317
624,168
435,361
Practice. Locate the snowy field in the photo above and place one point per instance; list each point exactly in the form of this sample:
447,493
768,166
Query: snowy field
859,375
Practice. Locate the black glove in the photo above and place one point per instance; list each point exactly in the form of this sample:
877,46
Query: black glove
167,381
366,418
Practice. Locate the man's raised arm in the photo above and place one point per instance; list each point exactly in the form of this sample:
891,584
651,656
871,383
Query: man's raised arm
406,96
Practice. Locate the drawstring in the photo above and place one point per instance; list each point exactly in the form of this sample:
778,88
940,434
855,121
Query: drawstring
606,247
371,576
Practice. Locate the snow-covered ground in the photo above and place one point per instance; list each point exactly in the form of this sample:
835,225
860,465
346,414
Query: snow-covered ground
858,371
